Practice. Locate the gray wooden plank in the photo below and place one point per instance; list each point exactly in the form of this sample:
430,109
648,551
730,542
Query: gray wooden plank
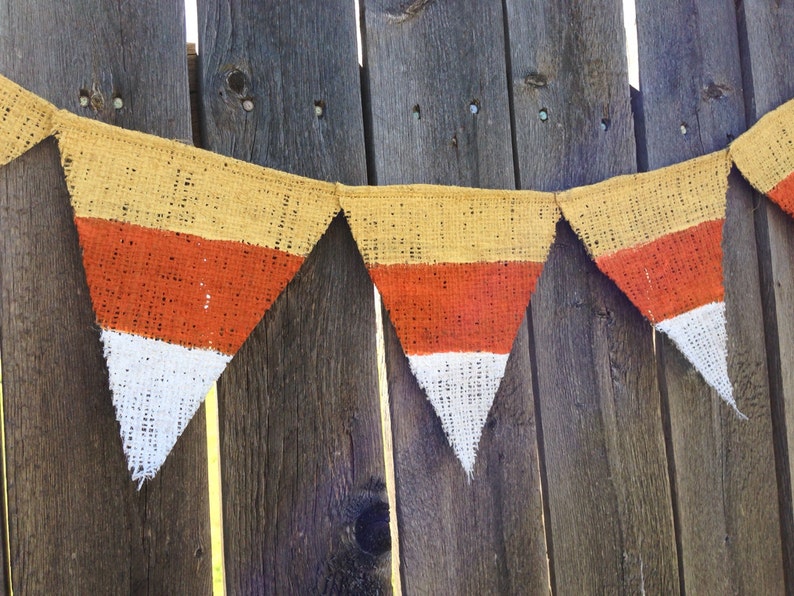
427,64
301,451
608,493
725,479
77,523
768,77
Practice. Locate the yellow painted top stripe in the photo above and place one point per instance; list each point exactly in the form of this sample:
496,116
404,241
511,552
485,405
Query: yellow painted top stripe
636,209
442,224
765,153
25,120
145,180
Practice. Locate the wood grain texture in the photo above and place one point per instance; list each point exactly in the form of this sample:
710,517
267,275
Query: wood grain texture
425,72
77,523
301,452
729,536
768,75
608,494
426,68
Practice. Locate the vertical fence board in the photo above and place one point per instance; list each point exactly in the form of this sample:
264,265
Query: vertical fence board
768,64
427,64
301,452
724,467
609,500
77,523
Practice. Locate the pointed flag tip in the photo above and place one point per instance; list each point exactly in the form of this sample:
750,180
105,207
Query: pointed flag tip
461,386
157,387
701,336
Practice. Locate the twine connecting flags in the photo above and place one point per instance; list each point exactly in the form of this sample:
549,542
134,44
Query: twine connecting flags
185,250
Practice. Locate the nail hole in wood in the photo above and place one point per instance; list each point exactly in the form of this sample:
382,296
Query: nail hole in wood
319,108
417,112
474,106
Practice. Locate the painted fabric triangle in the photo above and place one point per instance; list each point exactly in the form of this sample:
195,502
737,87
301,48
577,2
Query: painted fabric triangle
25,120
658,236
456,268
765,156
184,251
157,387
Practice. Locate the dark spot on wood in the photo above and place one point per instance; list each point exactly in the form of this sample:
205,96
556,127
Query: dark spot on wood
714,91
237,82
199,552
536,80
372,529
406,13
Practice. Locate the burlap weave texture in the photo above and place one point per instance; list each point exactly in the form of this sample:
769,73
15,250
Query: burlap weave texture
639,208
25,120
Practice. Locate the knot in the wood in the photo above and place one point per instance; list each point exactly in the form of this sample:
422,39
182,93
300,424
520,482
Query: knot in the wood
237,82
372,529
536,80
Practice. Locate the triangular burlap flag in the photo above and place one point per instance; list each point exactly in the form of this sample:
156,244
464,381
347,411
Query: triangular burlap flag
25,120
184,251
658,235
456,268
765,156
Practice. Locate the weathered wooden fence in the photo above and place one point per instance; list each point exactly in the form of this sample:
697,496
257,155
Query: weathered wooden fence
606,465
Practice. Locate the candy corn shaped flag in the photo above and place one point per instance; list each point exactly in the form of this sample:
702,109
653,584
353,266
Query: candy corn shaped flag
184,251
658,236
456,268
765,156
25,120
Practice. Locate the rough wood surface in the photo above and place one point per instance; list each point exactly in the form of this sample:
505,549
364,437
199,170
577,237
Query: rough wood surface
77,523
768,76
301,455
729,536
426,69
608,495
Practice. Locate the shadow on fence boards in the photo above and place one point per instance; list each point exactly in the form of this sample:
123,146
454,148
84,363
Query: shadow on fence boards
606,465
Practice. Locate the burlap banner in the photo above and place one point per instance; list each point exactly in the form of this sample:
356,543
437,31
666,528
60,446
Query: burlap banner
185,250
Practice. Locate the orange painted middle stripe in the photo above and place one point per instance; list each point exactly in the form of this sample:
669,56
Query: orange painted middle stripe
673,274
177,287
457,307
783,194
